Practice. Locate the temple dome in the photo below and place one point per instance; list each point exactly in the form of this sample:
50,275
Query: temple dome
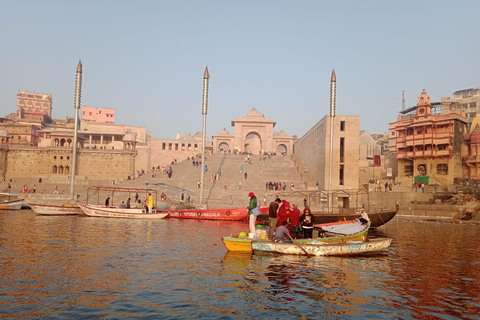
254,113
224,132
424,99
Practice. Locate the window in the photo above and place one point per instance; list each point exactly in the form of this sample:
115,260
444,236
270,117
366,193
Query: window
409,170
342,149
342,125
442,169
163,146
340,181
99,111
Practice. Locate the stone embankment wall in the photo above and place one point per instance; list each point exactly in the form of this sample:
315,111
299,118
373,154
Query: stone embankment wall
416,205
94,164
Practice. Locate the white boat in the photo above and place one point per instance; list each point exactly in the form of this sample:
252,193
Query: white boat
10,201
350,248
117,212
52,210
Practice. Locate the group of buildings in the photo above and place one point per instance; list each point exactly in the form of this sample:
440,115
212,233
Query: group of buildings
432,142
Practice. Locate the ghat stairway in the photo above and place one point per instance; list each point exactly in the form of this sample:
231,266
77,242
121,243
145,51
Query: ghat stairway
276,169
217,193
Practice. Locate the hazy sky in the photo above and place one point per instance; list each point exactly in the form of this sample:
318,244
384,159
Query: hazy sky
146,59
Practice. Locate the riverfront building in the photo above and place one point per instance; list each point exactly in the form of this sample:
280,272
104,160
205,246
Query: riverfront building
428,147
33,105
104,115
466,101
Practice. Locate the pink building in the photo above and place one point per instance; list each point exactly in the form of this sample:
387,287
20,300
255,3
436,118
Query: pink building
102,115
32,105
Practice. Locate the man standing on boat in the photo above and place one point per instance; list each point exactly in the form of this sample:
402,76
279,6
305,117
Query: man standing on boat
253,205
150,203
272,217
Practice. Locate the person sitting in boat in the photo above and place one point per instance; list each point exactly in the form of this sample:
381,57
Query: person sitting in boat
307,220
123,205
364,218
282,234
107,202
128,203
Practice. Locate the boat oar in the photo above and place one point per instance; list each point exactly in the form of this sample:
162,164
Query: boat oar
303,249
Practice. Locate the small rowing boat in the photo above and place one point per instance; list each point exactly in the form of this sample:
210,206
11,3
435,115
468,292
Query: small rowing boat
10,201
332,233
52,210
319,248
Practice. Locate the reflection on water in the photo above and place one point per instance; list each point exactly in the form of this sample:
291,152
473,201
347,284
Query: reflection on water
78,267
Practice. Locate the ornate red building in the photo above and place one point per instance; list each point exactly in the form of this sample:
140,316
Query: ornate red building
428,146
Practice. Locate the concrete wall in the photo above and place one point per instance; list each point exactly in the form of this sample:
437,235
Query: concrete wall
314,151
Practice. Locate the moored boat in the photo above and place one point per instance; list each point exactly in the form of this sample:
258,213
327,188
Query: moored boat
231,214
115,195
117,212
377,218
342,231
10,201
334,233
350,248
53,210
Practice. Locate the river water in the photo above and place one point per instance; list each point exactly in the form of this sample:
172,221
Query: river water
98,268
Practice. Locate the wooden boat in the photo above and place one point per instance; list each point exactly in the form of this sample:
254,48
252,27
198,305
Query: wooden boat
236,244
117,212
333,233
350,248
377,218
96,194
10,201
342,231
52,210
233,214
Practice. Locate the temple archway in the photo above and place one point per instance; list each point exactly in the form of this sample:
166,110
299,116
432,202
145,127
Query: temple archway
282,149
223,147
253,143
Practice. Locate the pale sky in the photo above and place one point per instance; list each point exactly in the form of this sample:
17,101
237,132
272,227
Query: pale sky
146,59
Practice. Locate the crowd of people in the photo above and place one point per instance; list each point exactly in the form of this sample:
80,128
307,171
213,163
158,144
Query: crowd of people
283,219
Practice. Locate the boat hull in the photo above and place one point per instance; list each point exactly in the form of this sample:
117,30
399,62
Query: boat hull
11,205
132,213
377,218
51,210
238,244
351,248
233,214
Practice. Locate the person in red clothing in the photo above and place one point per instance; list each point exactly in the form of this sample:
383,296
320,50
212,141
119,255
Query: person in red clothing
295,222
283,213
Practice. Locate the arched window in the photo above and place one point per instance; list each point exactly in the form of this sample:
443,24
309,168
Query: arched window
56,142
54,169
67,169
62,142
60,169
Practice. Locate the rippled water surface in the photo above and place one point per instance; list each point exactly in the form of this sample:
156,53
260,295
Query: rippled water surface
96,268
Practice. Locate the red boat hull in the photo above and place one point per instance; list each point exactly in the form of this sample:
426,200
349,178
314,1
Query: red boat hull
233,214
